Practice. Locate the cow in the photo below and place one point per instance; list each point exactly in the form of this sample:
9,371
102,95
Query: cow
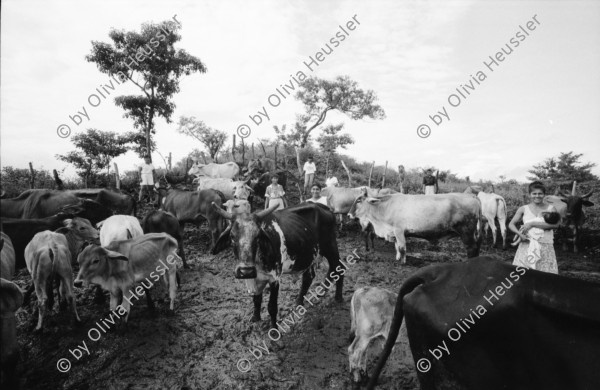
371,310
260,185
21,231
159,221
436,217
7,257
227,170
50,254
230,189
35,204
11,299
493,206
267,244
570,208
487,323
118,202
340,199
192,207
122,264
119,227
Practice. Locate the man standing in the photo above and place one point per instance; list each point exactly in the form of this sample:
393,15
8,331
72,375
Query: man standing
309,173
146,179
331,181
429,183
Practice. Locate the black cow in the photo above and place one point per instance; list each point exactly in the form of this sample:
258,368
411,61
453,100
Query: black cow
194,207
118,202
485,324
34,204
267,244
570,208
21,231
159,221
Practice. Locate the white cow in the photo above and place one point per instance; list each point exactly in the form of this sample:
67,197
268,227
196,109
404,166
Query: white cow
371,310
230,189
492,206
119,227
228,170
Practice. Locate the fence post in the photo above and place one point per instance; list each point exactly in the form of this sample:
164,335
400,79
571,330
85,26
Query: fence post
31,177
371,173
384,172
118,178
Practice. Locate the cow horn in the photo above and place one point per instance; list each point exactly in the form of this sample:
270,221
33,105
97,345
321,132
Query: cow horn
264,213
574,187
588,194
222,212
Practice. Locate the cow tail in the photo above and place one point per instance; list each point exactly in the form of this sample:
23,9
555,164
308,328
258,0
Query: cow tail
501,207
52,251
407,287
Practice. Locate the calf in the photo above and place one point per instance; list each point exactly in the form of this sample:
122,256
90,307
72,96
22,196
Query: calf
493,206
47,256
237,206
11,300
371,312
159,221
122,264
119,227
7,257
485,324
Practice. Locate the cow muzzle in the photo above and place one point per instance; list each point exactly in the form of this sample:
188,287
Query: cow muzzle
245,272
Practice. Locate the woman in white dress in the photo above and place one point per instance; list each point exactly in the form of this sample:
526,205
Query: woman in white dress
316,195
536,250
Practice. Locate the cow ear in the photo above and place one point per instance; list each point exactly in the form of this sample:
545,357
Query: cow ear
68,223
223,241
99,224
563,199
116,255
373,200
587,203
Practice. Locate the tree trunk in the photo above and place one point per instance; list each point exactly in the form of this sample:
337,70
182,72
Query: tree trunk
243,152
384,172
170,166
117,178
263,149
348,172
276,146
253,157
371,173
31,177
437,173
233,149
203,157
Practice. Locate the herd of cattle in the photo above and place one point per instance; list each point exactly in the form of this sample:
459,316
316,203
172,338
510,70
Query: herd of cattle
49,232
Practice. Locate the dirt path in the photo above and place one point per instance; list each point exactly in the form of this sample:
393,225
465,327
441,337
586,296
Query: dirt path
199,347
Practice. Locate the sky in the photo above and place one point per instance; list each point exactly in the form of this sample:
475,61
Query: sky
542,99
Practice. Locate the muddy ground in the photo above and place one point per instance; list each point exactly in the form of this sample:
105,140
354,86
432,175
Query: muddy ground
200,346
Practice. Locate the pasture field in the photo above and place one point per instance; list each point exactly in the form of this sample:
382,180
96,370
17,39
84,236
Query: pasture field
199,347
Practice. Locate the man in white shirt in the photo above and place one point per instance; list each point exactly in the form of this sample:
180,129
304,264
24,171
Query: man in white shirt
147,179
331,181
309,173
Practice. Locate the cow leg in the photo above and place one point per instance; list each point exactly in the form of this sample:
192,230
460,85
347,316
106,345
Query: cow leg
357,356
27,295
62,297
502,224
66,285
149,300
181,250
172,288
272,306
492,226
400,246
367,234
257,299
468,235
575,239
99,297
50,292
41,291
307,278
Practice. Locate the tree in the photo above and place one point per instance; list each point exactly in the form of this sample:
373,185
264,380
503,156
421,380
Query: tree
212,139
96,150
331,139
565,167
322,96
150,61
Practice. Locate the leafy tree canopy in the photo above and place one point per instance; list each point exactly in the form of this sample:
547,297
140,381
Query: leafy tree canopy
212,139
565,167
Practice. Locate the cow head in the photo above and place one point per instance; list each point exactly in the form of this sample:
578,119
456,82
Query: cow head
575,206
94,264
361,206
241,190
246,235
197,170
237,206
82,229
88,209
